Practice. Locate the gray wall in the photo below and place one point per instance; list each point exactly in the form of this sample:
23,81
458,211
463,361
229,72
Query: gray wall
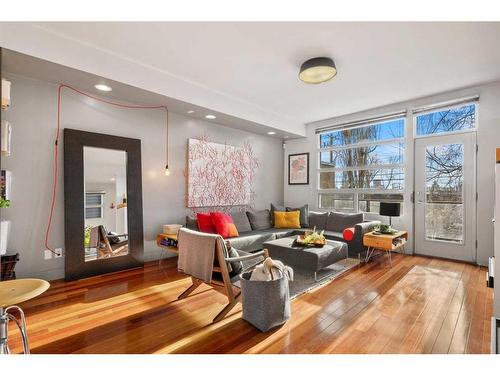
488,138
33,117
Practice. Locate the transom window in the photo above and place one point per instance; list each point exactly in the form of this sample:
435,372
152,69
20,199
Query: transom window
361,167
455,119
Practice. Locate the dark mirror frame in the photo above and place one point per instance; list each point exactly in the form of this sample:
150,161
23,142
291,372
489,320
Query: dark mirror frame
74,210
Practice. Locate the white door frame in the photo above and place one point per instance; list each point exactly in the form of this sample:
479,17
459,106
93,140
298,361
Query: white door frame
442,249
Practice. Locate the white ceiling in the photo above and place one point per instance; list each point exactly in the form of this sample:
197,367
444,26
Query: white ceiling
251,69
103,165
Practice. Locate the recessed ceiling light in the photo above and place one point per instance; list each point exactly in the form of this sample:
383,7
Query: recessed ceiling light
190,111
113,179
271,133
210,117
317,70
102,87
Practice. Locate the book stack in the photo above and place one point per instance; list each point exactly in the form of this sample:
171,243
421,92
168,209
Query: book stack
169,242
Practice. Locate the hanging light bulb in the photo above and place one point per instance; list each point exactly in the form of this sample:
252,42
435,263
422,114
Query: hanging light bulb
167,171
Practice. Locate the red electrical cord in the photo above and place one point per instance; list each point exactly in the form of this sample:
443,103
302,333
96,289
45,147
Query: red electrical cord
56,145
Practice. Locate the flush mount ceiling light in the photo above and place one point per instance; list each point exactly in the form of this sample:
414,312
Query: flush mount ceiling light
210,117
190,111
102,87
271,133
317,70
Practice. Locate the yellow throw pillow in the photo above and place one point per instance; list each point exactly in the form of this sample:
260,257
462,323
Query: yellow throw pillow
289,220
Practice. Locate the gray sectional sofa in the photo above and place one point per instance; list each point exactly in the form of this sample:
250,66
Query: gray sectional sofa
256,227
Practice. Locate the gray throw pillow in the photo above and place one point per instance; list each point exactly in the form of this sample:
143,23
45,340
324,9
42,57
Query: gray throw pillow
338,221
304,215
318,220
276,208
259,219
191,223
241,221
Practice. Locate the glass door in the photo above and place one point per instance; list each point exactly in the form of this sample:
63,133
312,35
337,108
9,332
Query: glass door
445,196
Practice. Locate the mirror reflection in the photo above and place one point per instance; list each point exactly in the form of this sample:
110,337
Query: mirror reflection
106,228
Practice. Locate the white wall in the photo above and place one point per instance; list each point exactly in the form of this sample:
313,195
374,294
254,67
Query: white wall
33,116
488,138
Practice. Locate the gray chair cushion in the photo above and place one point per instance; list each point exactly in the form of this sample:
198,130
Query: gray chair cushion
241,221
259,219
276,208
236,266
338,221
191,223
304,214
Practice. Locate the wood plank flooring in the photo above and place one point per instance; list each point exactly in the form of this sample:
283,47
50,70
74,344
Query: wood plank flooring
420,305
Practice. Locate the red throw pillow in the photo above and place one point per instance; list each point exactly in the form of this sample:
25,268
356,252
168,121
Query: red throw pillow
224,224
205,222
348,234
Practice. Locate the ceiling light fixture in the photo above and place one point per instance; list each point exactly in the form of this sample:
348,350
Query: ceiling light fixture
102,87
317,70
271,133
190,111
210,117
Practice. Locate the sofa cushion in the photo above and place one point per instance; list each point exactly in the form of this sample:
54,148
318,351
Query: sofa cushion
205,223
224,224
241,221
276,208
289,219
338,221
318,220
281,232
334,236
191,223
259,219
251,241
304,214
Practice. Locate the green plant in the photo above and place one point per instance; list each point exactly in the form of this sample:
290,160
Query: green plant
86,238
4,203
314,237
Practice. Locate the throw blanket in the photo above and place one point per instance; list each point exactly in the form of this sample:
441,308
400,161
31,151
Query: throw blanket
196,253
271,270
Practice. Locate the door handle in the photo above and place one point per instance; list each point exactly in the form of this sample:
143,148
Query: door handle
419,197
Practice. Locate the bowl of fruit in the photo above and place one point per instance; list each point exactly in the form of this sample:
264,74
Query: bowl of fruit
311,238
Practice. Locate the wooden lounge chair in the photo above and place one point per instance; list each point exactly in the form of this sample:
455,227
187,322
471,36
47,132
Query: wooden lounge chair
224,280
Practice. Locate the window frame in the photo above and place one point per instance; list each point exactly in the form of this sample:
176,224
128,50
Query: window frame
474,129
356,191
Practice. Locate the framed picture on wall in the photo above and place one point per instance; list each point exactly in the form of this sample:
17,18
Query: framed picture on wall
298,169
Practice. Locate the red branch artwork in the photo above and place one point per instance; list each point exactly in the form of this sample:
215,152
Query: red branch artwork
220,175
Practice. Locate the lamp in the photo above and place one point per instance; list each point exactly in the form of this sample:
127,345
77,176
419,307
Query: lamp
5,94
389,209
317,70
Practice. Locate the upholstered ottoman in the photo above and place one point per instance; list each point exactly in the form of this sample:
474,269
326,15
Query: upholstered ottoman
308,259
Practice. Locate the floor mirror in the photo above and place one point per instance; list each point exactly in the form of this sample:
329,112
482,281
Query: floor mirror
103,204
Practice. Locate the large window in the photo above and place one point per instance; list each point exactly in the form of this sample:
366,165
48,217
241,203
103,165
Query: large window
361,167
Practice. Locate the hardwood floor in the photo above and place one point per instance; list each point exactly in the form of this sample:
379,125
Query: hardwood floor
420,305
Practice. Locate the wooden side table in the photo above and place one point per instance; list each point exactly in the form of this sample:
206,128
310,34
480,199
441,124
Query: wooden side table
172,238
384,242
